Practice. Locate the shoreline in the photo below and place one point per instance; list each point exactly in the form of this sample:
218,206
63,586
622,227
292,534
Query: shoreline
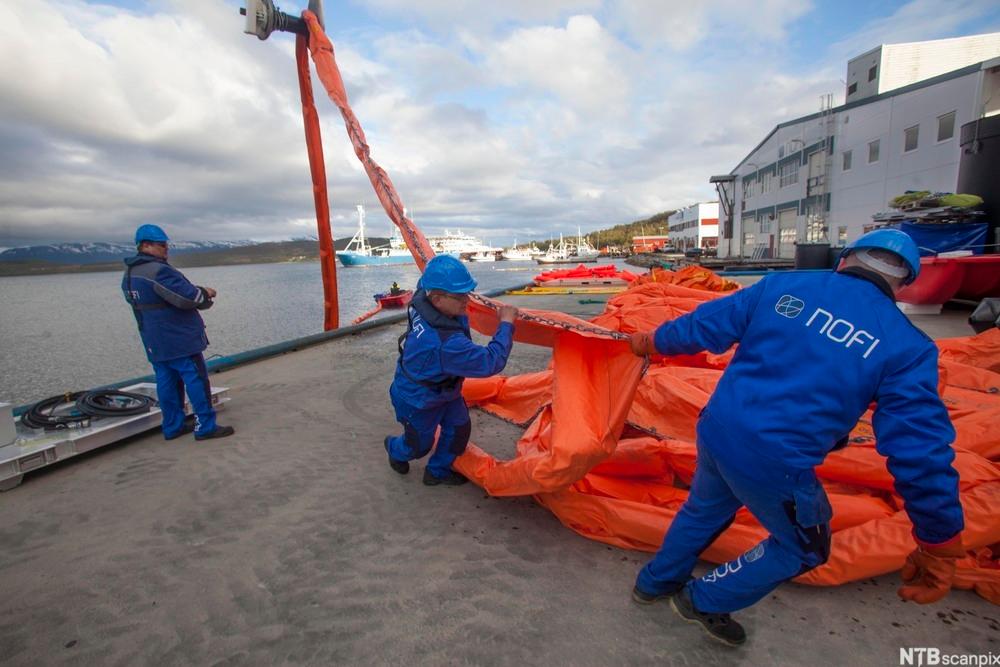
109,267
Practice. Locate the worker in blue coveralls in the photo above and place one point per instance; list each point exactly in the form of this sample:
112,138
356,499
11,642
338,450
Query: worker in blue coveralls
166,308
435,354
815,350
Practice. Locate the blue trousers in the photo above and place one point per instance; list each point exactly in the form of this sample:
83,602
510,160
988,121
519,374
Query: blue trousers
419,426
172,378
791,504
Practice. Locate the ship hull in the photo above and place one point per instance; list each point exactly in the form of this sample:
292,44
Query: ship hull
566,260
352,259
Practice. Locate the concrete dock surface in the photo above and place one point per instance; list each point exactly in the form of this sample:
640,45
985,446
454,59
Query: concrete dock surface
293,542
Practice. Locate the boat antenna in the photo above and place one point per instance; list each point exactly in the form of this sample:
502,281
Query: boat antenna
361,224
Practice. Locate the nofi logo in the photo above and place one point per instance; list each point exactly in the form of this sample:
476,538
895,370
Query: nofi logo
789,306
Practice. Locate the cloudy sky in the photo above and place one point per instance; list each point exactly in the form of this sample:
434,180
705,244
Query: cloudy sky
518,118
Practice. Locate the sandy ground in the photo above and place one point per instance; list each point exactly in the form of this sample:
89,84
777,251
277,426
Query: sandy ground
294,543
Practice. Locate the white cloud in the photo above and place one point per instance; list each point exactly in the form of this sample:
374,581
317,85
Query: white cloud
517,118
581,64
445,14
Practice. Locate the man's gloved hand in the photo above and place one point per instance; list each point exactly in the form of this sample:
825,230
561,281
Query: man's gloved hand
929,571
641,343
507,313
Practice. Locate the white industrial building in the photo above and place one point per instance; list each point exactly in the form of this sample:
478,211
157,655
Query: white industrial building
891,66
695,226
819,179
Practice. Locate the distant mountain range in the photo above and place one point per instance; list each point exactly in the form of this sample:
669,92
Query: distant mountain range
99,256
77,257
96,253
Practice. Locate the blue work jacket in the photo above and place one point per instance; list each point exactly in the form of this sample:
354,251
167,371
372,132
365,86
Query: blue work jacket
815,350
166,307
437,353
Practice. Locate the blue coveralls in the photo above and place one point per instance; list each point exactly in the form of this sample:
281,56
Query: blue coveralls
166,308
816,349
436,354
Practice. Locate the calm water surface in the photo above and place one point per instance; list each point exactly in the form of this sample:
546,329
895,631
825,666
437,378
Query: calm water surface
70,332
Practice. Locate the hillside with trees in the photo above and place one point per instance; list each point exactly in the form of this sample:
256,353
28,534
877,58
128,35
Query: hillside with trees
621,235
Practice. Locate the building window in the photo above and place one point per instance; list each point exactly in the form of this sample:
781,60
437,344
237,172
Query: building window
748,240
842,236
847,161
747,187
766,180
873,151
946,126
788,174
872,71
815,228
911,137
853,88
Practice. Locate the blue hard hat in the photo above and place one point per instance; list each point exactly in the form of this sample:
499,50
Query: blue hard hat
152,233
894,241
448,274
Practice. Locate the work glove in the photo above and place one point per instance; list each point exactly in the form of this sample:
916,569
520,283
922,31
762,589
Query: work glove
929,571
641,343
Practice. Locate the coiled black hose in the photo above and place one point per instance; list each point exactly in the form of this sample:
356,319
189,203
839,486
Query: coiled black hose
77,408
113,403
55,412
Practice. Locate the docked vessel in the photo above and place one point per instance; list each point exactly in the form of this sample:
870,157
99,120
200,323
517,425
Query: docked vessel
567,252
360,253
456,244
390,300
487,255
516,254
950,275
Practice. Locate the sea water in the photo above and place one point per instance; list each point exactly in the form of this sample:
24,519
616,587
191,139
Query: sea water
68,332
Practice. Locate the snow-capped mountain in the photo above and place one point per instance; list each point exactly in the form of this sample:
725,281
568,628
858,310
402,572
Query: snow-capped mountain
94,253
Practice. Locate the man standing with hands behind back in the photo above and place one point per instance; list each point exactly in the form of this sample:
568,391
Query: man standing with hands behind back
166,305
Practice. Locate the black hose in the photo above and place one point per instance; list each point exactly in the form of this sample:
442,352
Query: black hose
43,414
113,403
78,407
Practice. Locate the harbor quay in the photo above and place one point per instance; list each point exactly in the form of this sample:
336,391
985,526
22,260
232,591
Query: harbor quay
293,542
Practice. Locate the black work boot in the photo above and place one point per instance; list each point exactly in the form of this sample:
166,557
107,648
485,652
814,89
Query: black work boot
219,432
718,626
402,467
187,426
642,597
453,479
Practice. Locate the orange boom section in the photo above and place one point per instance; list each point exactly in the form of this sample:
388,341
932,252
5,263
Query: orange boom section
627,494
326,69
609,444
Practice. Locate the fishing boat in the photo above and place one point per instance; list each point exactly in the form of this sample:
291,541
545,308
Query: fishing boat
360,253
516,254
487,255
570,253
